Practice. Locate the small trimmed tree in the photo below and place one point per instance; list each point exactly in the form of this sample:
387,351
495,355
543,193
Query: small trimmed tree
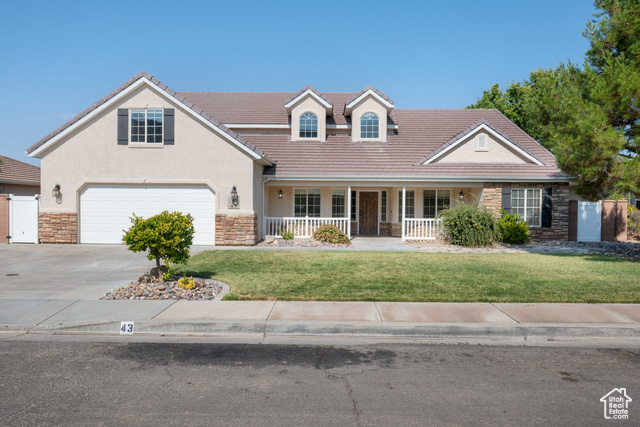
167,236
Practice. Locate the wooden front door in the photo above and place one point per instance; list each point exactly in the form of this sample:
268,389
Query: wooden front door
368,213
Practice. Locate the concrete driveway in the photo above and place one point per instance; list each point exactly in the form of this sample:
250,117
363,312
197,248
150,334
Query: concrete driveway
68,271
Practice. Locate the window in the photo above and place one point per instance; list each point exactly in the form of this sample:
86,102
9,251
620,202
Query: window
383,207
354,198
308,126
146,126
410,205
434,201
338,203
369,126
1,190
306,202
482,142
527,203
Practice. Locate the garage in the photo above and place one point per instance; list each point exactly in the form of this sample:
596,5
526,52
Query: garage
105,209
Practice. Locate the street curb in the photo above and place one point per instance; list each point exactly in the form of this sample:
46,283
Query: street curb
351,330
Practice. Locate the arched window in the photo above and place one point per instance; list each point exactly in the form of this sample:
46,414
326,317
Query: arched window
308,126
369,126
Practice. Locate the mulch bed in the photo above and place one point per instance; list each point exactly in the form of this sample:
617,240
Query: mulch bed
149,288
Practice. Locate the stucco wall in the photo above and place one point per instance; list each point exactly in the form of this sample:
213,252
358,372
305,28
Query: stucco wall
20,189
495,152
308,105
369,105
91,155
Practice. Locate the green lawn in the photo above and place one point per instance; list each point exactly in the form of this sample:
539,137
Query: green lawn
404,276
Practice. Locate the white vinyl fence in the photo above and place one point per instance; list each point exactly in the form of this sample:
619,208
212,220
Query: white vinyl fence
421,228
301,227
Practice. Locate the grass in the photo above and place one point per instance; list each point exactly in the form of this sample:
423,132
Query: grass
404,276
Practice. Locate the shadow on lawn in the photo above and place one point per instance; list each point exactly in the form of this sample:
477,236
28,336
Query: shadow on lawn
591,257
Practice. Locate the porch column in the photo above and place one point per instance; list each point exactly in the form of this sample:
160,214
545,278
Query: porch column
404,205
349,211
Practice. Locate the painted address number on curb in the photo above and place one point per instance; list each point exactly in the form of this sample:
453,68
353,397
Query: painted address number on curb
126,327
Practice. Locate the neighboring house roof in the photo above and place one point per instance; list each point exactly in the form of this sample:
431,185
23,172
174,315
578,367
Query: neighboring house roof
15,171
152,80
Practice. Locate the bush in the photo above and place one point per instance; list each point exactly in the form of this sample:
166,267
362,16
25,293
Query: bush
513,229
286,234
469,225
167,236
633,221
187,284
330,234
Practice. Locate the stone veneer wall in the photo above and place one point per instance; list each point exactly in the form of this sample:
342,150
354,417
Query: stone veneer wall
396,229
58,227
236,229
559,230
385,229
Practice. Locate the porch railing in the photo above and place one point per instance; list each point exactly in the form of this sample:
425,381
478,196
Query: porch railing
302,227
421,228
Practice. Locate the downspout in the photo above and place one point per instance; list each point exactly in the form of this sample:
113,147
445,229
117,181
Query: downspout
264,219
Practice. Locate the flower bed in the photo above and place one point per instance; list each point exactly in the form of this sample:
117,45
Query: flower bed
149,288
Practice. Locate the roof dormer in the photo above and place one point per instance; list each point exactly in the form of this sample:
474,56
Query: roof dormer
369,110
308,110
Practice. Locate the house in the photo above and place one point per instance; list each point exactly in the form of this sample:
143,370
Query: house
246,165
19,179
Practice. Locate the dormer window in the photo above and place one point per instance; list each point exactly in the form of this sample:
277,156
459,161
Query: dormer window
369,126
308,125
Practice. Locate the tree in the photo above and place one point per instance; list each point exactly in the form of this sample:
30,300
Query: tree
614,56
588,117
167,236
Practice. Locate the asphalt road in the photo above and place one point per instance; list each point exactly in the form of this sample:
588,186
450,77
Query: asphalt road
57,383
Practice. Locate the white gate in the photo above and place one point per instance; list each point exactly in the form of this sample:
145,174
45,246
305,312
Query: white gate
23,218
589,221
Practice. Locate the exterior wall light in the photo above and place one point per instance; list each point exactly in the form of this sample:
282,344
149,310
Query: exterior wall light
461,195
280,195
56,191
234,200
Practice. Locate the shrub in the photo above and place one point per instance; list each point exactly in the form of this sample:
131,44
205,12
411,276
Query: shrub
469,225
167,236
633,221
513,229
188,284
330,234
286,234
230,297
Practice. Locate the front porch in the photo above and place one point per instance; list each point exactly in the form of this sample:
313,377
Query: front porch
407,212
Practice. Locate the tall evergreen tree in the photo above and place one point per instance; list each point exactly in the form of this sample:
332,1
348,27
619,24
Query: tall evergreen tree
588,117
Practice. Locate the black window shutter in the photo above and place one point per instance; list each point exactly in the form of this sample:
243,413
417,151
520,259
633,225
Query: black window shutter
506,199
123,126
168,126
547,204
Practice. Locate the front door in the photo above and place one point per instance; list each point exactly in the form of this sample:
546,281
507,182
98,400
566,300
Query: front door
368,213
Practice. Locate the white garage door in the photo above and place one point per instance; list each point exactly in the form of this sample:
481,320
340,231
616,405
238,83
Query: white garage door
105,209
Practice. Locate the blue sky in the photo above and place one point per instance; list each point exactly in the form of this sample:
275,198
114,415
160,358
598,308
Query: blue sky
59,57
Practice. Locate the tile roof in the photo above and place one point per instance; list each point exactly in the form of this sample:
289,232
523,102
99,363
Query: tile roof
312,89
420,132
13,170
162,86
363,91
471,129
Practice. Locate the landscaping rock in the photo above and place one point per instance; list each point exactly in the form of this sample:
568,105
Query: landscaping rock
149,287
305,243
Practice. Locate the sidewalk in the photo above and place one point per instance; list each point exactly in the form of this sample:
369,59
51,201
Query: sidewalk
384,321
